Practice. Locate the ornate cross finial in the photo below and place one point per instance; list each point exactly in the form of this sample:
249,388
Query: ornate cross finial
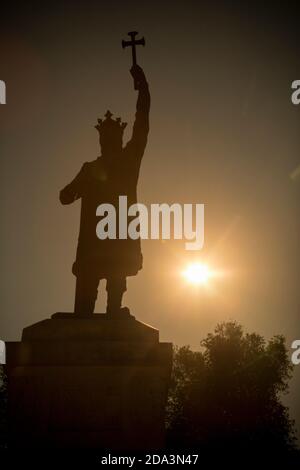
134,42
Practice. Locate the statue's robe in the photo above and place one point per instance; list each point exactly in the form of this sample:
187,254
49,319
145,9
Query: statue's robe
102,181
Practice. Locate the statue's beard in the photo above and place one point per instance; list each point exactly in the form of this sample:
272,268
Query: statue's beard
111,155
111,149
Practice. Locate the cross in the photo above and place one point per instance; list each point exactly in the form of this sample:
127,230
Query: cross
134,42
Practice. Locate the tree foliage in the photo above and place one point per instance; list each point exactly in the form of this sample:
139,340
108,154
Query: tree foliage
229,394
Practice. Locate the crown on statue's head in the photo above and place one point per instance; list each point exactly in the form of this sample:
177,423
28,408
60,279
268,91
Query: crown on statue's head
111,128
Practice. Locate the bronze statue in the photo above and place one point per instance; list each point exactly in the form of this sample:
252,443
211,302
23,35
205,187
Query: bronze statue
103,180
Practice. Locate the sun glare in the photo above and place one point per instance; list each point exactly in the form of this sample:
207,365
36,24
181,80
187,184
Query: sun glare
197,273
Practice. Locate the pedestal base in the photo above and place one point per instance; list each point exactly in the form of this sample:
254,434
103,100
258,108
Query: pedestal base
98,382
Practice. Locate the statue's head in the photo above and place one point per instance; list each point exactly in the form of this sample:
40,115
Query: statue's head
110,134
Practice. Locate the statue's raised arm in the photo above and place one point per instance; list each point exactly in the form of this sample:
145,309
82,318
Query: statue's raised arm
140,131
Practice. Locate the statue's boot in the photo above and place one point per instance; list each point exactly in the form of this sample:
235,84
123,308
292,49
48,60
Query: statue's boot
115,290
86,295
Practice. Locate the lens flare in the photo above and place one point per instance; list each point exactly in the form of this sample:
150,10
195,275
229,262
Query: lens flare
197,273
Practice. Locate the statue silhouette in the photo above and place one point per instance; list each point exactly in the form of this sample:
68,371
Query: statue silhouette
103,180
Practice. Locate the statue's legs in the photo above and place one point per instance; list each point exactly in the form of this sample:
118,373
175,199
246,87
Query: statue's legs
87,291
115,286
86,294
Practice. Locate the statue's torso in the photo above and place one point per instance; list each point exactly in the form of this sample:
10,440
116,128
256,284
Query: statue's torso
104,183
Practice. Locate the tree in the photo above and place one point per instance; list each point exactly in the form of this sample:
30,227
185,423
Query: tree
229,394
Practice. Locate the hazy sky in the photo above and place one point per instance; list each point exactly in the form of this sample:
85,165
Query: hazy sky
223,132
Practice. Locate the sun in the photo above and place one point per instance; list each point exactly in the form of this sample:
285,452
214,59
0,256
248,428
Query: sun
197,273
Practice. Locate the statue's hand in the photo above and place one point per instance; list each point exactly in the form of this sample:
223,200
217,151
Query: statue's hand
66,196
138,76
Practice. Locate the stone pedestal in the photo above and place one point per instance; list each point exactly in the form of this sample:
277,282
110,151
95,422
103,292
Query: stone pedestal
98,382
